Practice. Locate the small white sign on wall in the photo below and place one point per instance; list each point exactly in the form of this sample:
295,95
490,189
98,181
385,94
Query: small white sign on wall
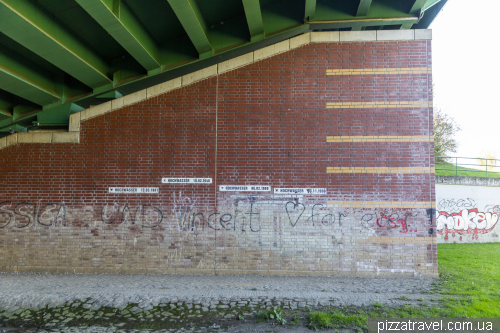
247,188
167,180
132,190
300,191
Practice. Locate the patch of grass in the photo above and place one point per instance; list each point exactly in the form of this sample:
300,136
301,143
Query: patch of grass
319,320
464,171
472,273
295,320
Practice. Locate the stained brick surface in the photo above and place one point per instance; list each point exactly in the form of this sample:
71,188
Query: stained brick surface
262,124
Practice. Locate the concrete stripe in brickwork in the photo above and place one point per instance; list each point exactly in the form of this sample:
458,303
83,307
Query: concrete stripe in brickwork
379,71
383,204
379,170
365,105
381,138
398,240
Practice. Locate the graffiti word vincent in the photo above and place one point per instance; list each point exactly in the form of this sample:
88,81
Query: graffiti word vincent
469,221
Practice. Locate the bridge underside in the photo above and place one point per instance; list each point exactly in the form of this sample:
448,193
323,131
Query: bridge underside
58,57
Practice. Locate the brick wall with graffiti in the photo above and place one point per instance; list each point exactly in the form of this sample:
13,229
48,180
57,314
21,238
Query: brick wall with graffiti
317,160
467,209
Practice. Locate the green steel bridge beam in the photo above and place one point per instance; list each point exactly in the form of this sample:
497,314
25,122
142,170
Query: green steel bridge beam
189,14
310,10
120,22
5,113
254,19
364,6
415,10
31,26
22,78
359,23
417,7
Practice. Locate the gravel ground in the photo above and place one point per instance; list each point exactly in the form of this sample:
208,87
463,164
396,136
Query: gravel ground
147,298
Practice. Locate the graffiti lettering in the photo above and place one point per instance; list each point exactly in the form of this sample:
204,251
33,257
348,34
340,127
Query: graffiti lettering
252,213
225,222
157,213
6,212
21,213
186,217
393,221
105,218
365,219
195,218
126,213
451,204
312,213
469,221
209,220
295,205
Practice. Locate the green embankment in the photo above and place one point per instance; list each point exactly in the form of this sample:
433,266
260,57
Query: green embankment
452,171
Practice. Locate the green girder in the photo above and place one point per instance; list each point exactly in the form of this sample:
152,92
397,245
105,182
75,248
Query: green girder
189,15
119,21
364,6
29,25
254,19
310,10
19,76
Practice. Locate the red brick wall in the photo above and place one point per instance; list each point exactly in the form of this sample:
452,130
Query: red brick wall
262,124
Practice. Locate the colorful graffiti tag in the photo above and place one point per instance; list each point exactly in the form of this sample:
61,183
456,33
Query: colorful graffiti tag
469,221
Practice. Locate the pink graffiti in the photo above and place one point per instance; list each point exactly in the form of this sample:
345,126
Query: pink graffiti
469,221
392,222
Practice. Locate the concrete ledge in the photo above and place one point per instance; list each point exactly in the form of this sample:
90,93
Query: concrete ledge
202,74
272,50
358,36
234,63
423,34
163,87
124,101
383,35
464,180
300,40
42,137
95,111
74,122
134,98
65,137
115,104
325,36
25,137
12,140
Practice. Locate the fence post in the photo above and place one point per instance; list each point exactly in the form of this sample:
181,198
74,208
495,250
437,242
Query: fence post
486,167
456,166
